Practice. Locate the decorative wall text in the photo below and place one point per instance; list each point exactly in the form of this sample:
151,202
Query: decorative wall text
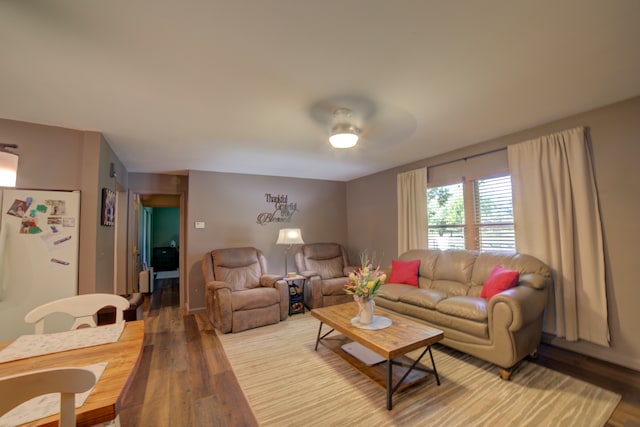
283,209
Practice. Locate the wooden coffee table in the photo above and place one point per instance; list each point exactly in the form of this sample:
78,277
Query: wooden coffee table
391,343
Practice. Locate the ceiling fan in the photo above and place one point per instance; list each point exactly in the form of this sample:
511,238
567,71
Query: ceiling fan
350,119
344,134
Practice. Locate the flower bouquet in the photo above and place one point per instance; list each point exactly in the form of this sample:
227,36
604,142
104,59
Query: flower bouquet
364,284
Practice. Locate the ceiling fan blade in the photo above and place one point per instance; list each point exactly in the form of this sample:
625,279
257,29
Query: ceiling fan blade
379,124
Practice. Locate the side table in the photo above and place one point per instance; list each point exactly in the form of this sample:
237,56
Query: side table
296,293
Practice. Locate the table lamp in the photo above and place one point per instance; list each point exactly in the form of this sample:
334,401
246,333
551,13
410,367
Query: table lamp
290,237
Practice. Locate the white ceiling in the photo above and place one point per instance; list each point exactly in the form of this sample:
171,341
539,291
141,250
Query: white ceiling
248,86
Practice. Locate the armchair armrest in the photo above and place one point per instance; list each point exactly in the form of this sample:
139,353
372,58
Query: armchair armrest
218,303
217,285
269,280
526,304
349,269
308,274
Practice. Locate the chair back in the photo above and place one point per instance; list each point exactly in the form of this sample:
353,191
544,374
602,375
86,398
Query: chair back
82,308
326,259
20,388
239,267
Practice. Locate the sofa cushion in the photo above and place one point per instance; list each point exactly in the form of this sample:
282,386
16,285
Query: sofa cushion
471,308
453,270
499,280
427,257
427,298
393,292
455,265
405,272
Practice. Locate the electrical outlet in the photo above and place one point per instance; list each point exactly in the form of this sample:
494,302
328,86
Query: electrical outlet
199,224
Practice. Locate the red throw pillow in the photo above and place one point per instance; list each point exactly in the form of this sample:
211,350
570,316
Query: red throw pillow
404,272
499,280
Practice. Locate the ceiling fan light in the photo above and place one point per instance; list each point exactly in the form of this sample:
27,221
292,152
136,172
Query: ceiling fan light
343,136
8,166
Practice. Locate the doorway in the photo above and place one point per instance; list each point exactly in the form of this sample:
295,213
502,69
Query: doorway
158,231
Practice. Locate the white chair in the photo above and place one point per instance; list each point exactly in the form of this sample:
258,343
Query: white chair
17,389
81,307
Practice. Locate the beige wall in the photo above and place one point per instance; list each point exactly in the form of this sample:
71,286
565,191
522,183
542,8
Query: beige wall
105,235
615,132
50,157
229,205
54,158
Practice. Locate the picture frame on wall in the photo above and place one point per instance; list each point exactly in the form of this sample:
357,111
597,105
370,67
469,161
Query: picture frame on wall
108,207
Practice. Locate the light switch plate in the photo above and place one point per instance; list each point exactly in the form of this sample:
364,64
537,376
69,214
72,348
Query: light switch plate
199,224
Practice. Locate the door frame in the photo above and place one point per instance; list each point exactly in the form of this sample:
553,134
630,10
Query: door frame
133,250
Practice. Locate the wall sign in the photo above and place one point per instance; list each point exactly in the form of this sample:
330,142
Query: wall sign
282,212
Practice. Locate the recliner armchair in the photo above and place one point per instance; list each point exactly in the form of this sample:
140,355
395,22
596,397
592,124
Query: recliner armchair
240,294
326,266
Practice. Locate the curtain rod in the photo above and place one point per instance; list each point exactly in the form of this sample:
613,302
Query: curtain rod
466,157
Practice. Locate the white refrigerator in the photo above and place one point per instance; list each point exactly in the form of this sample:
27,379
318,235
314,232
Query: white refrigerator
39,241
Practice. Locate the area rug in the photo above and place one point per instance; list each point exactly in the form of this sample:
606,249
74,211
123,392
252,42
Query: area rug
287,383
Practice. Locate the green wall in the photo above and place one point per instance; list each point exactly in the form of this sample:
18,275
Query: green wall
166,226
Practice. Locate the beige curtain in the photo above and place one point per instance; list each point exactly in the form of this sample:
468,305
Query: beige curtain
412,210
557,219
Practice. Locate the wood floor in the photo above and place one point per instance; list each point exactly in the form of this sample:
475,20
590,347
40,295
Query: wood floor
185,379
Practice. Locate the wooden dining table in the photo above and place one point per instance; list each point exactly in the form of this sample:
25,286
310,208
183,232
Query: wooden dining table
105,400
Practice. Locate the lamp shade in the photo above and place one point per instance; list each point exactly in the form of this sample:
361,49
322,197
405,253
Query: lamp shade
343,136
290,236
8,168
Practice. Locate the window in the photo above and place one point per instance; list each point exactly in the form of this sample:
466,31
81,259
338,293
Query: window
475,214
493,211
445,217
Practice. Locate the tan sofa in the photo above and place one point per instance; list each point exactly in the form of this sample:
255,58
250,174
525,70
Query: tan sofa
239,293
502,330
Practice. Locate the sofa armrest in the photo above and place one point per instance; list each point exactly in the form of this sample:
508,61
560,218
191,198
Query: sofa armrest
269,280
527,304
536,281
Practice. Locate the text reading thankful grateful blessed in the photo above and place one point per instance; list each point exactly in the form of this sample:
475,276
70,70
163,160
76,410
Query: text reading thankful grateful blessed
283,210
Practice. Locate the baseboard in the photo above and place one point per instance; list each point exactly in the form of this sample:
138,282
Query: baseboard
593,350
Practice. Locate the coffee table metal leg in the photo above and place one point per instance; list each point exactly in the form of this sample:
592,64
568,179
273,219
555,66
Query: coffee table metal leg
318,338
392,389
389,387
433,363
